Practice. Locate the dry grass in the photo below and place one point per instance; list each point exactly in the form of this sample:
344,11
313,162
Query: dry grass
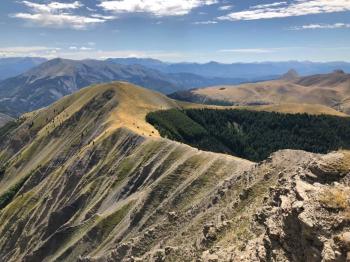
346,215
284,96
335,198
345,163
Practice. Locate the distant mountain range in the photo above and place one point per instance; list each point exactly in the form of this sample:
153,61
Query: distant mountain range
14,66
247,71
51,80
47,81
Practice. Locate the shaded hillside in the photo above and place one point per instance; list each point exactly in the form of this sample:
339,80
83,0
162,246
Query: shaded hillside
252,135
13,66
4,119
56,78
87,179
331,90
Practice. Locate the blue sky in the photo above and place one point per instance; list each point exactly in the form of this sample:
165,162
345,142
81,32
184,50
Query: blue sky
178,30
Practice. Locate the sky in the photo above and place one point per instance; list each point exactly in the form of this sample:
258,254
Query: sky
226,31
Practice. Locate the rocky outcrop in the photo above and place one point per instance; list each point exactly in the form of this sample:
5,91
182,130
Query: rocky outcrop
306,215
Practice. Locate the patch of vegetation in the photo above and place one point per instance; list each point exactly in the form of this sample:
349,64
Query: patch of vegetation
6,129
110,222
252,135
335,199
189,96
125,168
2,172
8,196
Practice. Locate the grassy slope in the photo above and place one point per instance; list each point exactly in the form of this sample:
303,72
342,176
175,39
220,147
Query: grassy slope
87,166
99,182
324,93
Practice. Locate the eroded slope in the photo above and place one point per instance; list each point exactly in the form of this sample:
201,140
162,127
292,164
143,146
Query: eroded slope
87,179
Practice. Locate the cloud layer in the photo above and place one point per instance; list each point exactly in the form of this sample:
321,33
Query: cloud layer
57,14
321,26
154,7
283,9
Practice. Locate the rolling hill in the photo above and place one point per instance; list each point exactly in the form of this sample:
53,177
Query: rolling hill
56,78
329,90
88,179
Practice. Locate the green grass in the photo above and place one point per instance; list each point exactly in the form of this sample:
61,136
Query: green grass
8,196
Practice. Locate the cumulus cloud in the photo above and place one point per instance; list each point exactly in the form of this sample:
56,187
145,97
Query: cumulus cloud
51,7
154,7
295,8
57,15
321,26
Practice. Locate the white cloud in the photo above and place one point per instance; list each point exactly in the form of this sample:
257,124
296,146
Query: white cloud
247,50
84,48
83,52
205,22
104,17
58,15
52,7
321,26
31,51
225,7
154,7
268,5
59,20
296,8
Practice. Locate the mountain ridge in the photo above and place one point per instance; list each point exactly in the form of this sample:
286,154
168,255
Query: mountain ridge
46,83
251,72
87,179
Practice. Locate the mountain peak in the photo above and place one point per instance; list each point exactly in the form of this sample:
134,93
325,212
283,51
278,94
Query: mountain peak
290,75
339,71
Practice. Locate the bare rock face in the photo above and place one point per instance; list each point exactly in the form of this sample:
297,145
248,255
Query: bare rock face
307,216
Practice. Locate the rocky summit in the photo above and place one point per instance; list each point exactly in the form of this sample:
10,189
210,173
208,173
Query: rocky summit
88,179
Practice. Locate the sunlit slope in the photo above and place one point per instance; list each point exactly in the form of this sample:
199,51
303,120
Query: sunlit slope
87,179
84,175
326,93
